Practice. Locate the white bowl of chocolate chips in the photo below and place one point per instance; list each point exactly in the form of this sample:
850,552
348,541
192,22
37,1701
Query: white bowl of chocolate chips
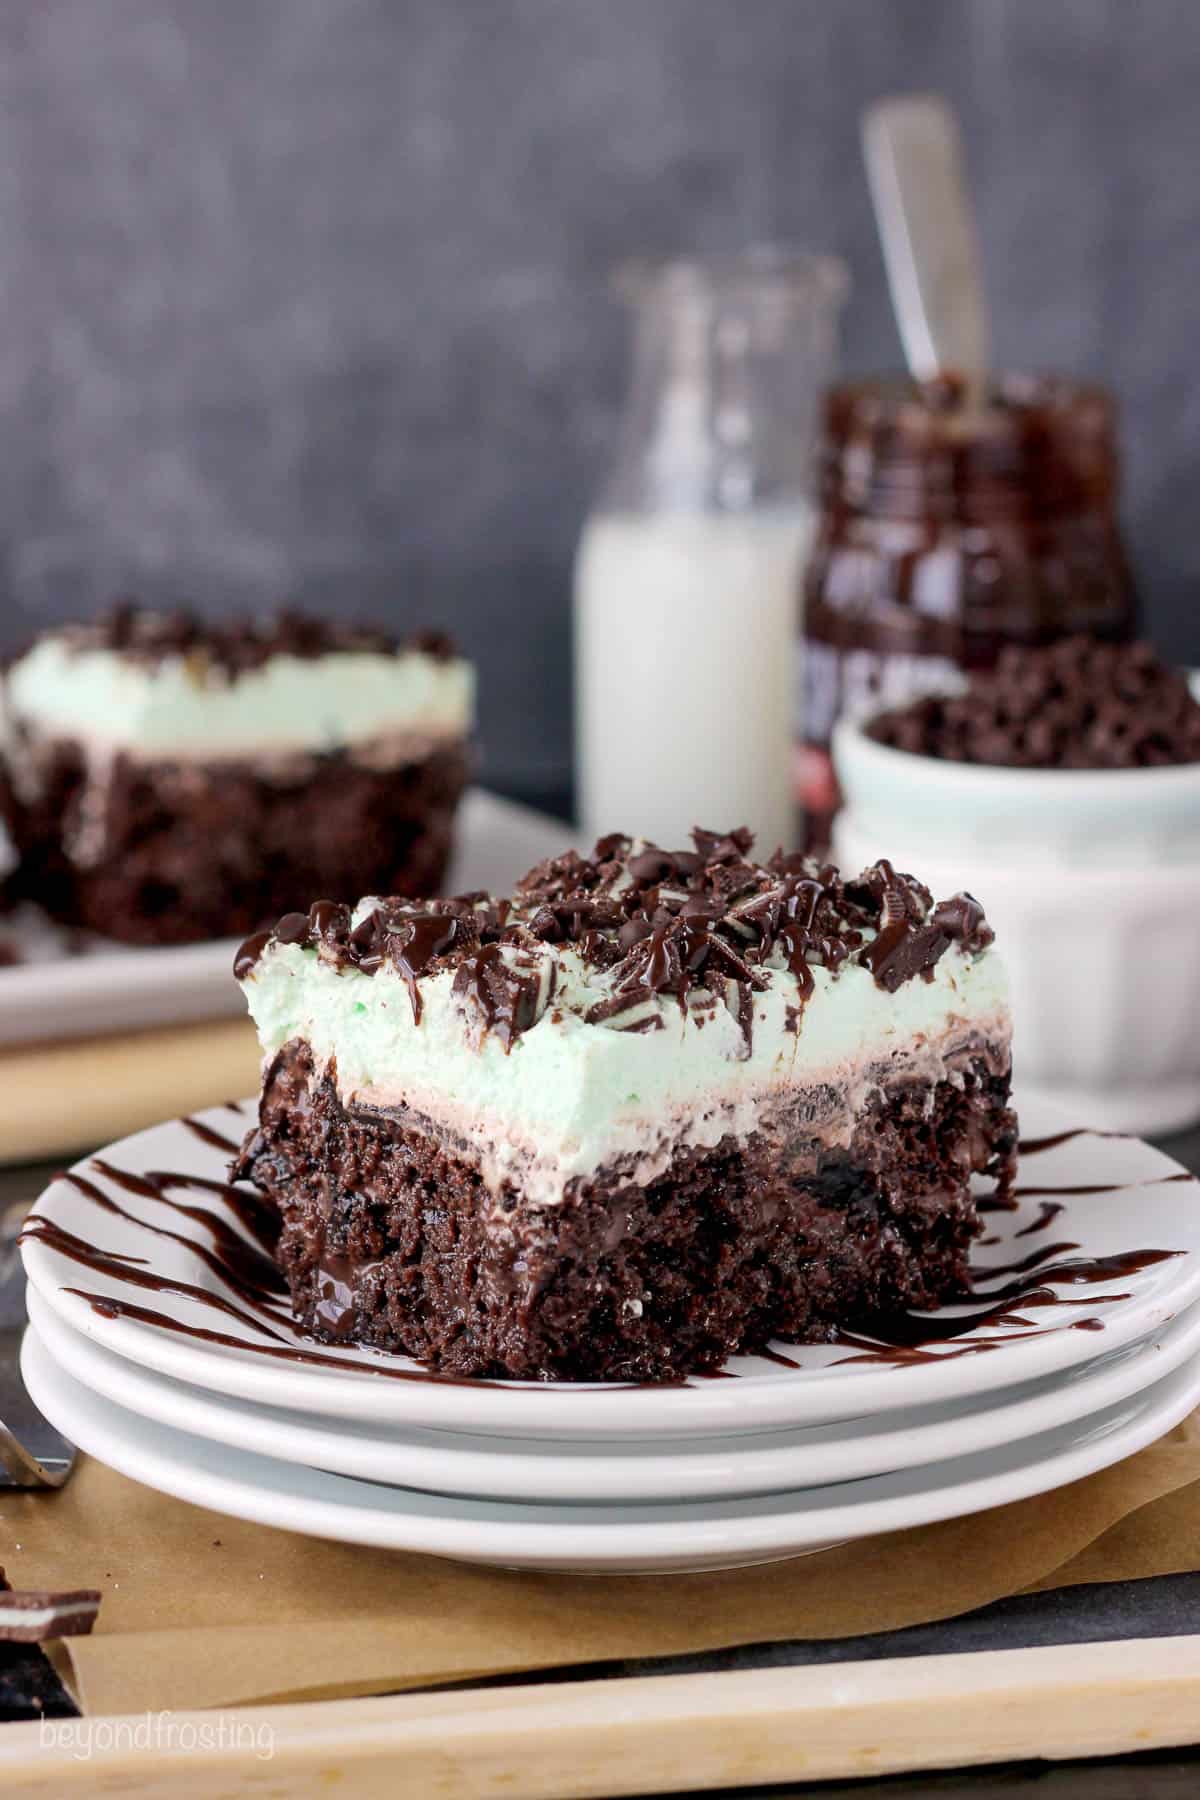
1062,790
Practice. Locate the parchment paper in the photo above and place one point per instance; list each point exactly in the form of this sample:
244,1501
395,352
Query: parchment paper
202,1610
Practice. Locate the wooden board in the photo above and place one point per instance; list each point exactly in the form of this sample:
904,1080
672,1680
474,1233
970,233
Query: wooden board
570,1740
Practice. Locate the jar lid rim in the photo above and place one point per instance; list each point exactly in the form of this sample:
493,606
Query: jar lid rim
892,399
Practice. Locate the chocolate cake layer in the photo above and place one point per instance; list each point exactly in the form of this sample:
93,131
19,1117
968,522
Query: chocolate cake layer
828,1214
158,852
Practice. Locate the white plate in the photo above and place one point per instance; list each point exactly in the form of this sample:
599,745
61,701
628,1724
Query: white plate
115,987
1124,1207
541,1471
712,1534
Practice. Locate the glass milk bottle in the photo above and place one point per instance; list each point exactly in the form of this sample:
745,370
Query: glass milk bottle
687,578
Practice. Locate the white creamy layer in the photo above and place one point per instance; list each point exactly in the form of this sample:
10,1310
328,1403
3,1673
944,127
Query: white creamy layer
34,1620
185,706
571,1097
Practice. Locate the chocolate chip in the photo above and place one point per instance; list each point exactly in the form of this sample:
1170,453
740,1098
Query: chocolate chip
249,954
546,925
962,919
650,866
1076,704
633,931
292,929
236,646
329,920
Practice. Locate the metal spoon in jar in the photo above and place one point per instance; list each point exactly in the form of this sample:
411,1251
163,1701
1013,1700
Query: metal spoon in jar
916,173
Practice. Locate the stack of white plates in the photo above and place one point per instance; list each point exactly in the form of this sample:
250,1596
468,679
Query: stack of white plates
146,1357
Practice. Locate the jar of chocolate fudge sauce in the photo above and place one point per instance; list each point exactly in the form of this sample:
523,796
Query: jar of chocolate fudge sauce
945,534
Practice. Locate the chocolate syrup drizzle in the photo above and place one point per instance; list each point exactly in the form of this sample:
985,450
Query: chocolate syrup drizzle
1047,1213
1034,1146
216,1140
1010,1201
66,1243
652,922
1104,1187
911,1338
241,1262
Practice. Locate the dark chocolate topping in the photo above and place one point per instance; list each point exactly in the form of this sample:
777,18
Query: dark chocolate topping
241,644
655,922
1077,704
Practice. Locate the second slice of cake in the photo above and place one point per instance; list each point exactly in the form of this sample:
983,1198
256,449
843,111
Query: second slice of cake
655,1108
174,780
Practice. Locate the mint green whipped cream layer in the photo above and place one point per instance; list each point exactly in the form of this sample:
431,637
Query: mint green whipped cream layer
570,1096
181,707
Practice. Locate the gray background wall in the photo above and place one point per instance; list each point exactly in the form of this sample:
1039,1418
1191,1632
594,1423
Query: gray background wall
313,291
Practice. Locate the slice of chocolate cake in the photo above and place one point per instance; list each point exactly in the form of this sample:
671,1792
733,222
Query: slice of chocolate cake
655,1108
174,781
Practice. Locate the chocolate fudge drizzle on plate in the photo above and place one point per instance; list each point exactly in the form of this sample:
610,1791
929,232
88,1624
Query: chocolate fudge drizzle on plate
653,922
255,1288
